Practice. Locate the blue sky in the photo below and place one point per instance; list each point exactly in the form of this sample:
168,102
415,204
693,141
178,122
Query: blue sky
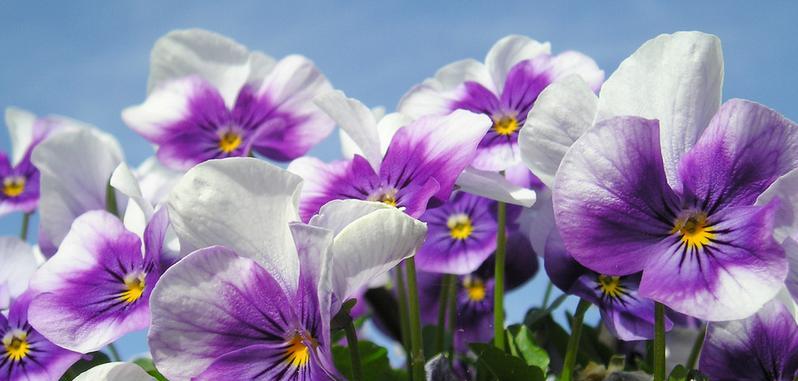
88,60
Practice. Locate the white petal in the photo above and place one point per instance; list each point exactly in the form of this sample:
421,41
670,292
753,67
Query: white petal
538,221
507,52
435,95
115,371
356,120
260,65
217,59
75,167
139,211
243,204
338,214
293,83
495,187
561,114
18,265
165,105
675,78
786,189
20,128
156,180
387,127
372,245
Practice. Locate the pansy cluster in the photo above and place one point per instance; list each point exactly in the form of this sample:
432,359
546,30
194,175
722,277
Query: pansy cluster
645,195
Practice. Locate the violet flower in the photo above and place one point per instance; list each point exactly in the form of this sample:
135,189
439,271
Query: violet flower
763,347
19,178
210,98
258,306
626,314
505,87
420,165
677,198
25,353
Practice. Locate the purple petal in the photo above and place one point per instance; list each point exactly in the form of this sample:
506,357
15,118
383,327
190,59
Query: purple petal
19,185
461,235
262,362
212,303
44,360
294,123
611,199
761,347
733,275
95,288
743,151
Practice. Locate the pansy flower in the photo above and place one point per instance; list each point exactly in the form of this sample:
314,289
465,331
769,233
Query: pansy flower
257,306
762,347
19,179
474,296
209,98
96,287
504,88
674,197
25,354
626,314
462,234
368,133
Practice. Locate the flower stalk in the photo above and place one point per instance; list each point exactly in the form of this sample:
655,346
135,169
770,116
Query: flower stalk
416,343
696,350
573,341
659,342
448,282
498,293
354,351
23,234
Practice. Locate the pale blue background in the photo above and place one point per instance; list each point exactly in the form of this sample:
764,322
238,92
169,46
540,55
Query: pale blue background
88,59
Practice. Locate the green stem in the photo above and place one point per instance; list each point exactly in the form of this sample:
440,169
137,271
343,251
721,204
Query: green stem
354,351
416,343
23,235
443,307
498,290
404,324
110,200
659,342
452,317
547,294
699,342
114,352
573,341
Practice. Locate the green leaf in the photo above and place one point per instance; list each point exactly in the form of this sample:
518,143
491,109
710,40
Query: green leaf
535,314
524,342
96,358
146,364
373,361
504,366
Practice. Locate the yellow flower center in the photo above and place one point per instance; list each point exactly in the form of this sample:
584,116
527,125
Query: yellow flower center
695,230
229,141
387,197
13,186
611,286
16,345
460,226
505,125
134,288
475,289
297,354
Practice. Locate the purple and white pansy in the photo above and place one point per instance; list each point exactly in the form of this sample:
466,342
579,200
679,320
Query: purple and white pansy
19,178
420,166
209,98
685,214
504,88
762,347
254,302
25,353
